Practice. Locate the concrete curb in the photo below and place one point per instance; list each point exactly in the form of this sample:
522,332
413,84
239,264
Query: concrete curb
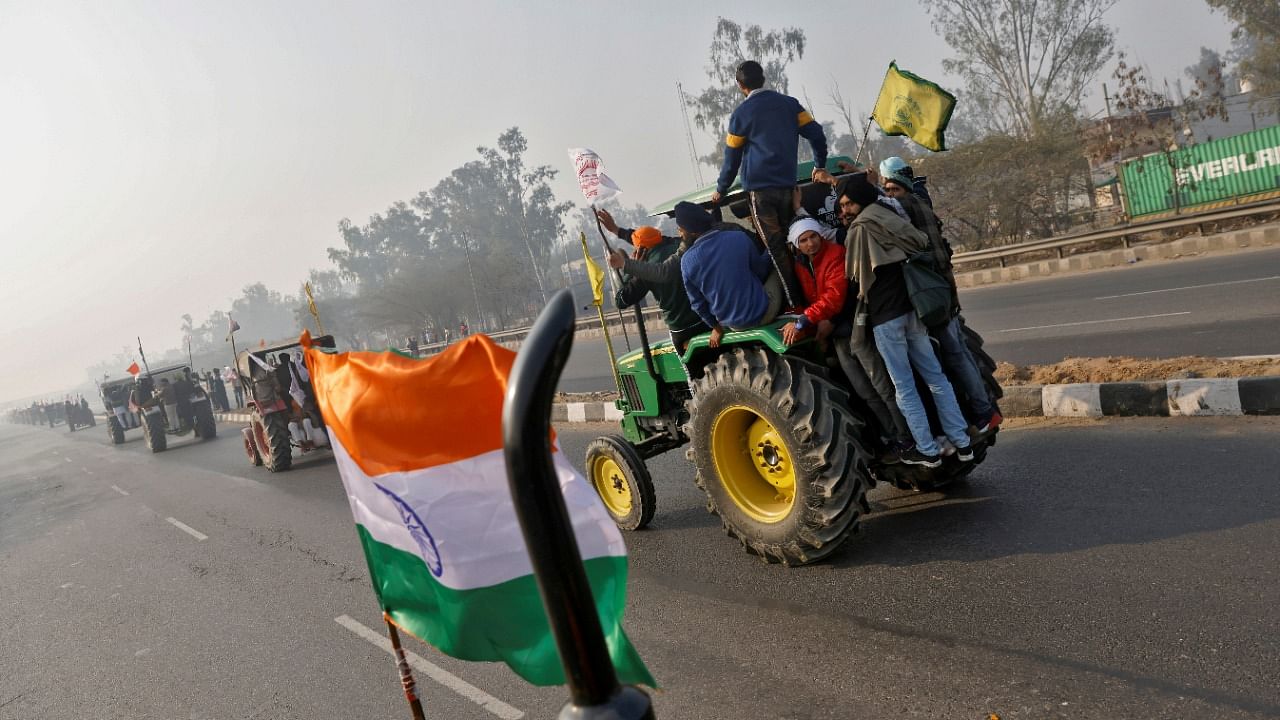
1198,397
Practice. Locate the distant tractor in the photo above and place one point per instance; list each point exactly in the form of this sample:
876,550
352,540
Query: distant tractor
281,403
115,400
172,403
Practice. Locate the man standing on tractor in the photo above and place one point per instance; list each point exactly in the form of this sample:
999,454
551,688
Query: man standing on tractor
878,245
728,278
763,140
644,273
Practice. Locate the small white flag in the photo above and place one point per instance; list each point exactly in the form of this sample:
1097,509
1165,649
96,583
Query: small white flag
595,185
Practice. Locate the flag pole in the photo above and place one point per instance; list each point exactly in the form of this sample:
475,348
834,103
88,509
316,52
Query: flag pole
144,357
866,133
640,328
406,672
616,273
604,324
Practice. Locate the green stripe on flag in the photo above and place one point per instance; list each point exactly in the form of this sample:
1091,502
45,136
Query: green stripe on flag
499,623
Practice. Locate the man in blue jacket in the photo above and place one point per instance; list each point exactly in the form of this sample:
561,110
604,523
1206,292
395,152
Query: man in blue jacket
763,140
728,278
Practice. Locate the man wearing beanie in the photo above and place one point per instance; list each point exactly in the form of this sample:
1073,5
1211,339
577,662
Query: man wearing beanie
653,249
878,244
763,141
726,274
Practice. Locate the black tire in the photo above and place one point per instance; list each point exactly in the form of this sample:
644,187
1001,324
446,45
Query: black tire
817,443
153,432
619,475
206,426
279,453
115,431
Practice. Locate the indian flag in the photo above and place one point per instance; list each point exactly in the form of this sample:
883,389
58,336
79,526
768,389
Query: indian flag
419,447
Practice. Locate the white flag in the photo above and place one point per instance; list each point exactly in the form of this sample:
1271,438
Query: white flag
596,186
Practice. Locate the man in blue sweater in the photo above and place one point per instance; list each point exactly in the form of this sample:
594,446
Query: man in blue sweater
763,140
727,276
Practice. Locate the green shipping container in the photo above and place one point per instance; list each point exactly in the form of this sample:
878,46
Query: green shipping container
1219,172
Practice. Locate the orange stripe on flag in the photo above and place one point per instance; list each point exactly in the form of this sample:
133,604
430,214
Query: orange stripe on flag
394,413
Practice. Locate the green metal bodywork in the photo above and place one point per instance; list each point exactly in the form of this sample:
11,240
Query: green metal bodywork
642,395
803,172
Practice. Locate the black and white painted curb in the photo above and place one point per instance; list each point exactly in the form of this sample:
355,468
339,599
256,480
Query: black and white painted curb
1198,397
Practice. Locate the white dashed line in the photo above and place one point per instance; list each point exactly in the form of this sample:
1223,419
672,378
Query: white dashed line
87,471
117,489
187,529
1189,287
495,706
67,459
1095,322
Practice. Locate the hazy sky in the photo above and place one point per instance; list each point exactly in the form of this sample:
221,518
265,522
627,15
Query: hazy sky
155,157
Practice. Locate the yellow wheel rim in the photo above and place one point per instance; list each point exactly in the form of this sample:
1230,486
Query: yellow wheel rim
754,464
611,484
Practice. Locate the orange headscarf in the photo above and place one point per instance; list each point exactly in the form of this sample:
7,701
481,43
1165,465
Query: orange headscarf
646,237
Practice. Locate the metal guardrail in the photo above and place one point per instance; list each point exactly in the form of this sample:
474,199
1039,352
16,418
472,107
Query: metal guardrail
1123,233
586,322
1001,254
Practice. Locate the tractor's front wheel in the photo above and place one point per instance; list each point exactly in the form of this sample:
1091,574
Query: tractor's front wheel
272,435
776,450
115,430
153,431
206,425
622,480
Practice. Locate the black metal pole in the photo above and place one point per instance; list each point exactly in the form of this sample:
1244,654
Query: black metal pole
640,328
544,521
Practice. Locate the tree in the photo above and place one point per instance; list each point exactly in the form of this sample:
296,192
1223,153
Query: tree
1026,63
731,44
1257,36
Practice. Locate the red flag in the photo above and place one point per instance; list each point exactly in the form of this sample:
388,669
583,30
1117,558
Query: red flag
133,369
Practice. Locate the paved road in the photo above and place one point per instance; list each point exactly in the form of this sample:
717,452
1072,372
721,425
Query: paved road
1219,306
1104,569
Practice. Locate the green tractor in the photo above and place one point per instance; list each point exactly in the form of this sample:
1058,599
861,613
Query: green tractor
780,444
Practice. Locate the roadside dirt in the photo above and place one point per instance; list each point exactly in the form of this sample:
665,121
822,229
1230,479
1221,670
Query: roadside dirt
1123,369
586,397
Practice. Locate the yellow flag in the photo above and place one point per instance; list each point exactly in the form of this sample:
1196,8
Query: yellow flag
593,272
912,106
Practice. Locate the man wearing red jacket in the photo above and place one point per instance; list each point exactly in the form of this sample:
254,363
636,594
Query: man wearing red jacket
820,272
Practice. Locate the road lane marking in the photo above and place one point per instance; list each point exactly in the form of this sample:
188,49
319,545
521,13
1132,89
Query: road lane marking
187,529
87,471
1094,322
117,489
435,672
1189,287
67,459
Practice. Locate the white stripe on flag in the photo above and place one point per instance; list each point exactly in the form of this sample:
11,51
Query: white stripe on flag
468,515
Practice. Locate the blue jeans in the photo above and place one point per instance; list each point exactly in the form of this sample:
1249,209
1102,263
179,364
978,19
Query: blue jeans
904,344
955,353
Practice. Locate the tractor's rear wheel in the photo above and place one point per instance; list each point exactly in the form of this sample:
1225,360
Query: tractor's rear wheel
273,441
153,432
206,426
777,452
115,431
622,480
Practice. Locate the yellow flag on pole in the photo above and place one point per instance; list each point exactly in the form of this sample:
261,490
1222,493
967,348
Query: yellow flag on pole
912,106
594,272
